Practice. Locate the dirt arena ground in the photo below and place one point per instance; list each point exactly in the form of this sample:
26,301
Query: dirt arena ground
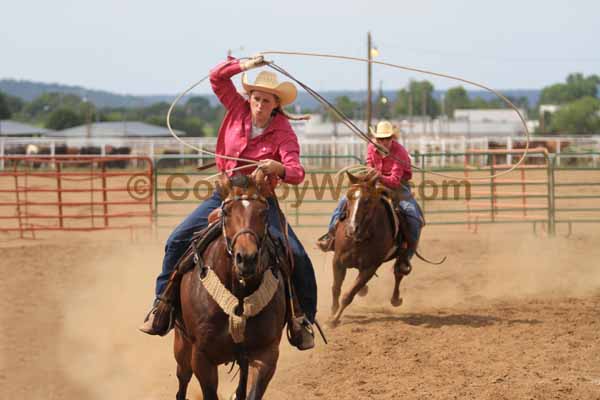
509,316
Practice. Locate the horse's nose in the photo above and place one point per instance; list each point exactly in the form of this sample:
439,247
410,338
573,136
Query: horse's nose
246,263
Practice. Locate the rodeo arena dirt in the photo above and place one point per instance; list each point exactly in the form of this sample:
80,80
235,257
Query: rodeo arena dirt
512,314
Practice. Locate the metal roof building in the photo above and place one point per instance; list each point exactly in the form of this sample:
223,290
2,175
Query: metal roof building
13,128
120,129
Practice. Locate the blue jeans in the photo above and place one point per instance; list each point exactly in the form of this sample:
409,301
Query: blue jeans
337,213
303,276
411,211
408,207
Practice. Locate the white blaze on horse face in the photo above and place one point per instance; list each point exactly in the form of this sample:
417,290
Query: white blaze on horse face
354,210
245,203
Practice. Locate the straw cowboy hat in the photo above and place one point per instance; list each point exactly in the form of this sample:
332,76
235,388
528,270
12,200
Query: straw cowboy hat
385,129
267,82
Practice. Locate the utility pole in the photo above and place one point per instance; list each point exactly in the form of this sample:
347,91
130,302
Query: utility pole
369,73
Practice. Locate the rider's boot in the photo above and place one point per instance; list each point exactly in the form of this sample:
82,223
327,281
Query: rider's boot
402,264
161,318
300,332
327,241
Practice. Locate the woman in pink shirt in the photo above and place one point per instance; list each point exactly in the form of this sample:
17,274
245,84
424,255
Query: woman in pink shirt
394,171
254,128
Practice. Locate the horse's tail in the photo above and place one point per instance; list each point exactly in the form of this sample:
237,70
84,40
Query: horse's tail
428,261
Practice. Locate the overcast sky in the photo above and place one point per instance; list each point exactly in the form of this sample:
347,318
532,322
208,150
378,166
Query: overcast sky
151,47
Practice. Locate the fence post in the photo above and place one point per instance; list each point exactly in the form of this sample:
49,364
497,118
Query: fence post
104,194
1,154
551,198
492,189
443,153
422,191
59,193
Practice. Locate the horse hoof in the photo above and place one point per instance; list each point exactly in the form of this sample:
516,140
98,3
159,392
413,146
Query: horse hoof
363,291
396,302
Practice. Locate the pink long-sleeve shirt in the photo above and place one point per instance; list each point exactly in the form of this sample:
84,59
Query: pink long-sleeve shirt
278,141
392,172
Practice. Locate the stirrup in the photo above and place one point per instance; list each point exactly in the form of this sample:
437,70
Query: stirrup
301,334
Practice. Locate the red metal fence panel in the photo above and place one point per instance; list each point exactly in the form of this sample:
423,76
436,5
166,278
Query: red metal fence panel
75,193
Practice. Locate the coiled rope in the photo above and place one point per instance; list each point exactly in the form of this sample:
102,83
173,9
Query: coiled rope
346,120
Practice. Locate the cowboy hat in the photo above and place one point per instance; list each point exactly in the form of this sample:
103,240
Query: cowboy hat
385,129
267,82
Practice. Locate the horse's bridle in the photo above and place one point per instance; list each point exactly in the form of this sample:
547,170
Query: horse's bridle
230,243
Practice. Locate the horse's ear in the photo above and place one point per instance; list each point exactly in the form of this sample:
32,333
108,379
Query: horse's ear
353,179
223,186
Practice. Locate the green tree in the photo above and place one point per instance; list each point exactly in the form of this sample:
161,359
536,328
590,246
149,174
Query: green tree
14,104
455,97
4,108
348,107
48,102
200,107
403,104
576,87
578,117
64,118
417,100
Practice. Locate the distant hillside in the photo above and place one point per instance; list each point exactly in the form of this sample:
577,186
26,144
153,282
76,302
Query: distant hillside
28,90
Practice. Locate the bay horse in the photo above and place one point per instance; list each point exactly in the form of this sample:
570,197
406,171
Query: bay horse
222,317
365,238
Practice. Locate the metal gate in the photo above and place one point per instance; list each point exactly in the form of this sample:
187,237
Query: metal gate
75,193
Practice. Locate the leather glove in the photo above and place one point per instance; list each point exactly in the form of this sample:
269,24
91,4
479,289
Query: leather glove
254,62
272,167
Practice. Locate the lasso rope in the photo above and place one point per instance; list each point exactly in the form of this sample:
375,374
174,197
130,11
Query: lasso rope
447,76
173,104
344,119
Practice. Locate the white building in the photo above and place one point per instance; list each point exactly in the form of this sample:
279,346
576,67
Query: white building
118,133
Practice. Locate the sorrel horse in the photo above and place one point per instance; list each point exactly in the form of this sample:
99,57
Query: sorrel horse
364,239
221,328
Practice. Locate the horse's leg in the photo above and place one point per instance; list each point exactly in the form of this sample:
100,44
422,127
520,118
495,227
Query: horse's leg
396,300
262,366
363,291
360,281
183,350
206,373
339,274
240,393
